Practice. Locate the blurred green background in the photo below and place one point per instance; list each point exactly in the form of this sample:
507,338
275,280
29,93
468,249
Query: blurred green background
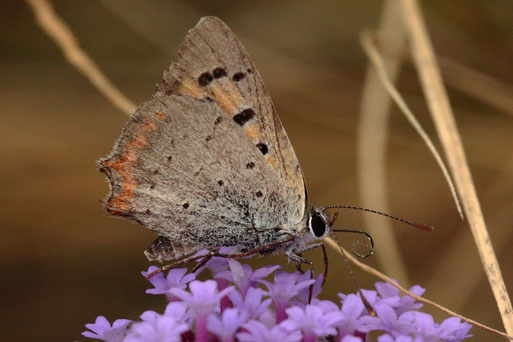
64,262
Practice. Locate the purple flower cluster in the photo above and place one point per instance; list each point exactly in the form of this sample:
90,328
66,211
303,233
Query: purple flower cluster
242,305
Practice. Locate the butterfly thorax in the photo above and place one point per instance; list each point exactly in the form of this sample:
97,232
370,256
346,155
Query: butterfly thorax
314,227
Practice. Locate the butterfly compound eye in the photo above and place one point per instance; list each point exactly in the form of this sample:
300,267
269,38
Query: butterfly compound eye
317,224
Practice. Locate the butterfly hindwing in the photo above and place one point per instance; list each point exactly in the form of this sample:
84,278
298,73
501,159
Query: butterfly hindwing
184,170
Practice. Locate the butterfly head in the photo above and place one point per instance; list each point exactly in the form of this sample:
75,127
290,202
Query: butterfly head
319,224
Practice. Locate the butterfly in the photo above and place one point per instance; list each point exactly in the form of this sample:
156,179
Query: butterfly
207,163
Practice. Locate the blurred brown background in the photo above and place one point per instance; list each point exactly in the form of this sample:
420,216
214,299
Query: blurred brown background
64,262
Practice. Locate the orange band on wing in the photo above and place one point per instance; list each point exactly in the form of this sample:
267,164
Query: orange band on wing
121,203
227,96
190,87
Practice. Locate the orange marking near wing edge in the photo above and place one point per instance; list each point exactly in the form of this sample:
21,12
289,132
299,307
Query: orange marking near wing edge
122,166
272,161
121,203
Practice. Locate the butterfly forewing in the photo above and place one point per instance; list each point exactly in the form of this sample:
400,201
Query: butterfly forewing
212,64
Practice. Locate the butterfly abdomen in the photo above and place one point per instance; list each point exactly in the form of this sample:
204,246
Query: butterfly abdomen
165,249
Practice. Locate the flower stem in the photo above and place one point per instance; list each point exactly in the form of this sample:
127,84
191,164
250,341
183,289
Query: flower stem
226,303
309,336
281,315
201,328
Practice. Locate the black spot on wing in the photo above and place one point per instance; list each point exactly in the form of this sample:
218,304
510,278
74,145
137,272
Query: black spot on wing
238,76
244,116
263,148
204,79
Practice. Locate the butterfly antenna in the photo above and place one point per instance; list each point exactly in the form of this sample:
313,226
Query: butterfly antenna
423,227
355,282
358,242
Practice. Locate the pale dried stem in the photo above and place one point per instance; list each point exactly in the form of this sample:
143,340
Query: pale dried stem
57,29
441,111
469,279
372,137
377,61
478,85
389,280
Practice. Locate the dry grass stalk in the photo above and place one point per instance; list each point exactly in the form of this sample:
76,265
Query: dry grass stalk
383,277
372,144
478,85
377,61
57,29
468,280
440,108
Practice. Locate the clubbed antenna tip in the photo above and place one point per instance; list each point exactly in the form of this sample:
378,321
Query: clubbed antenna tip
424,227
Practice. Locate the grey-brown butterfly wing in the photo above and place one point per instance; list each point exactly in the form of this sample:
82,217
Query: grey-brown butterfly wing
212,64
186,171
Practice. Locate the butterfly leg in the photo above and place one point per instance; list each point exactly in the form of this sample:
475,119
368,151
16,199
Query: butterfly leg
261,249
207,257
298,265
202,262
325,259
181,263
298,259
